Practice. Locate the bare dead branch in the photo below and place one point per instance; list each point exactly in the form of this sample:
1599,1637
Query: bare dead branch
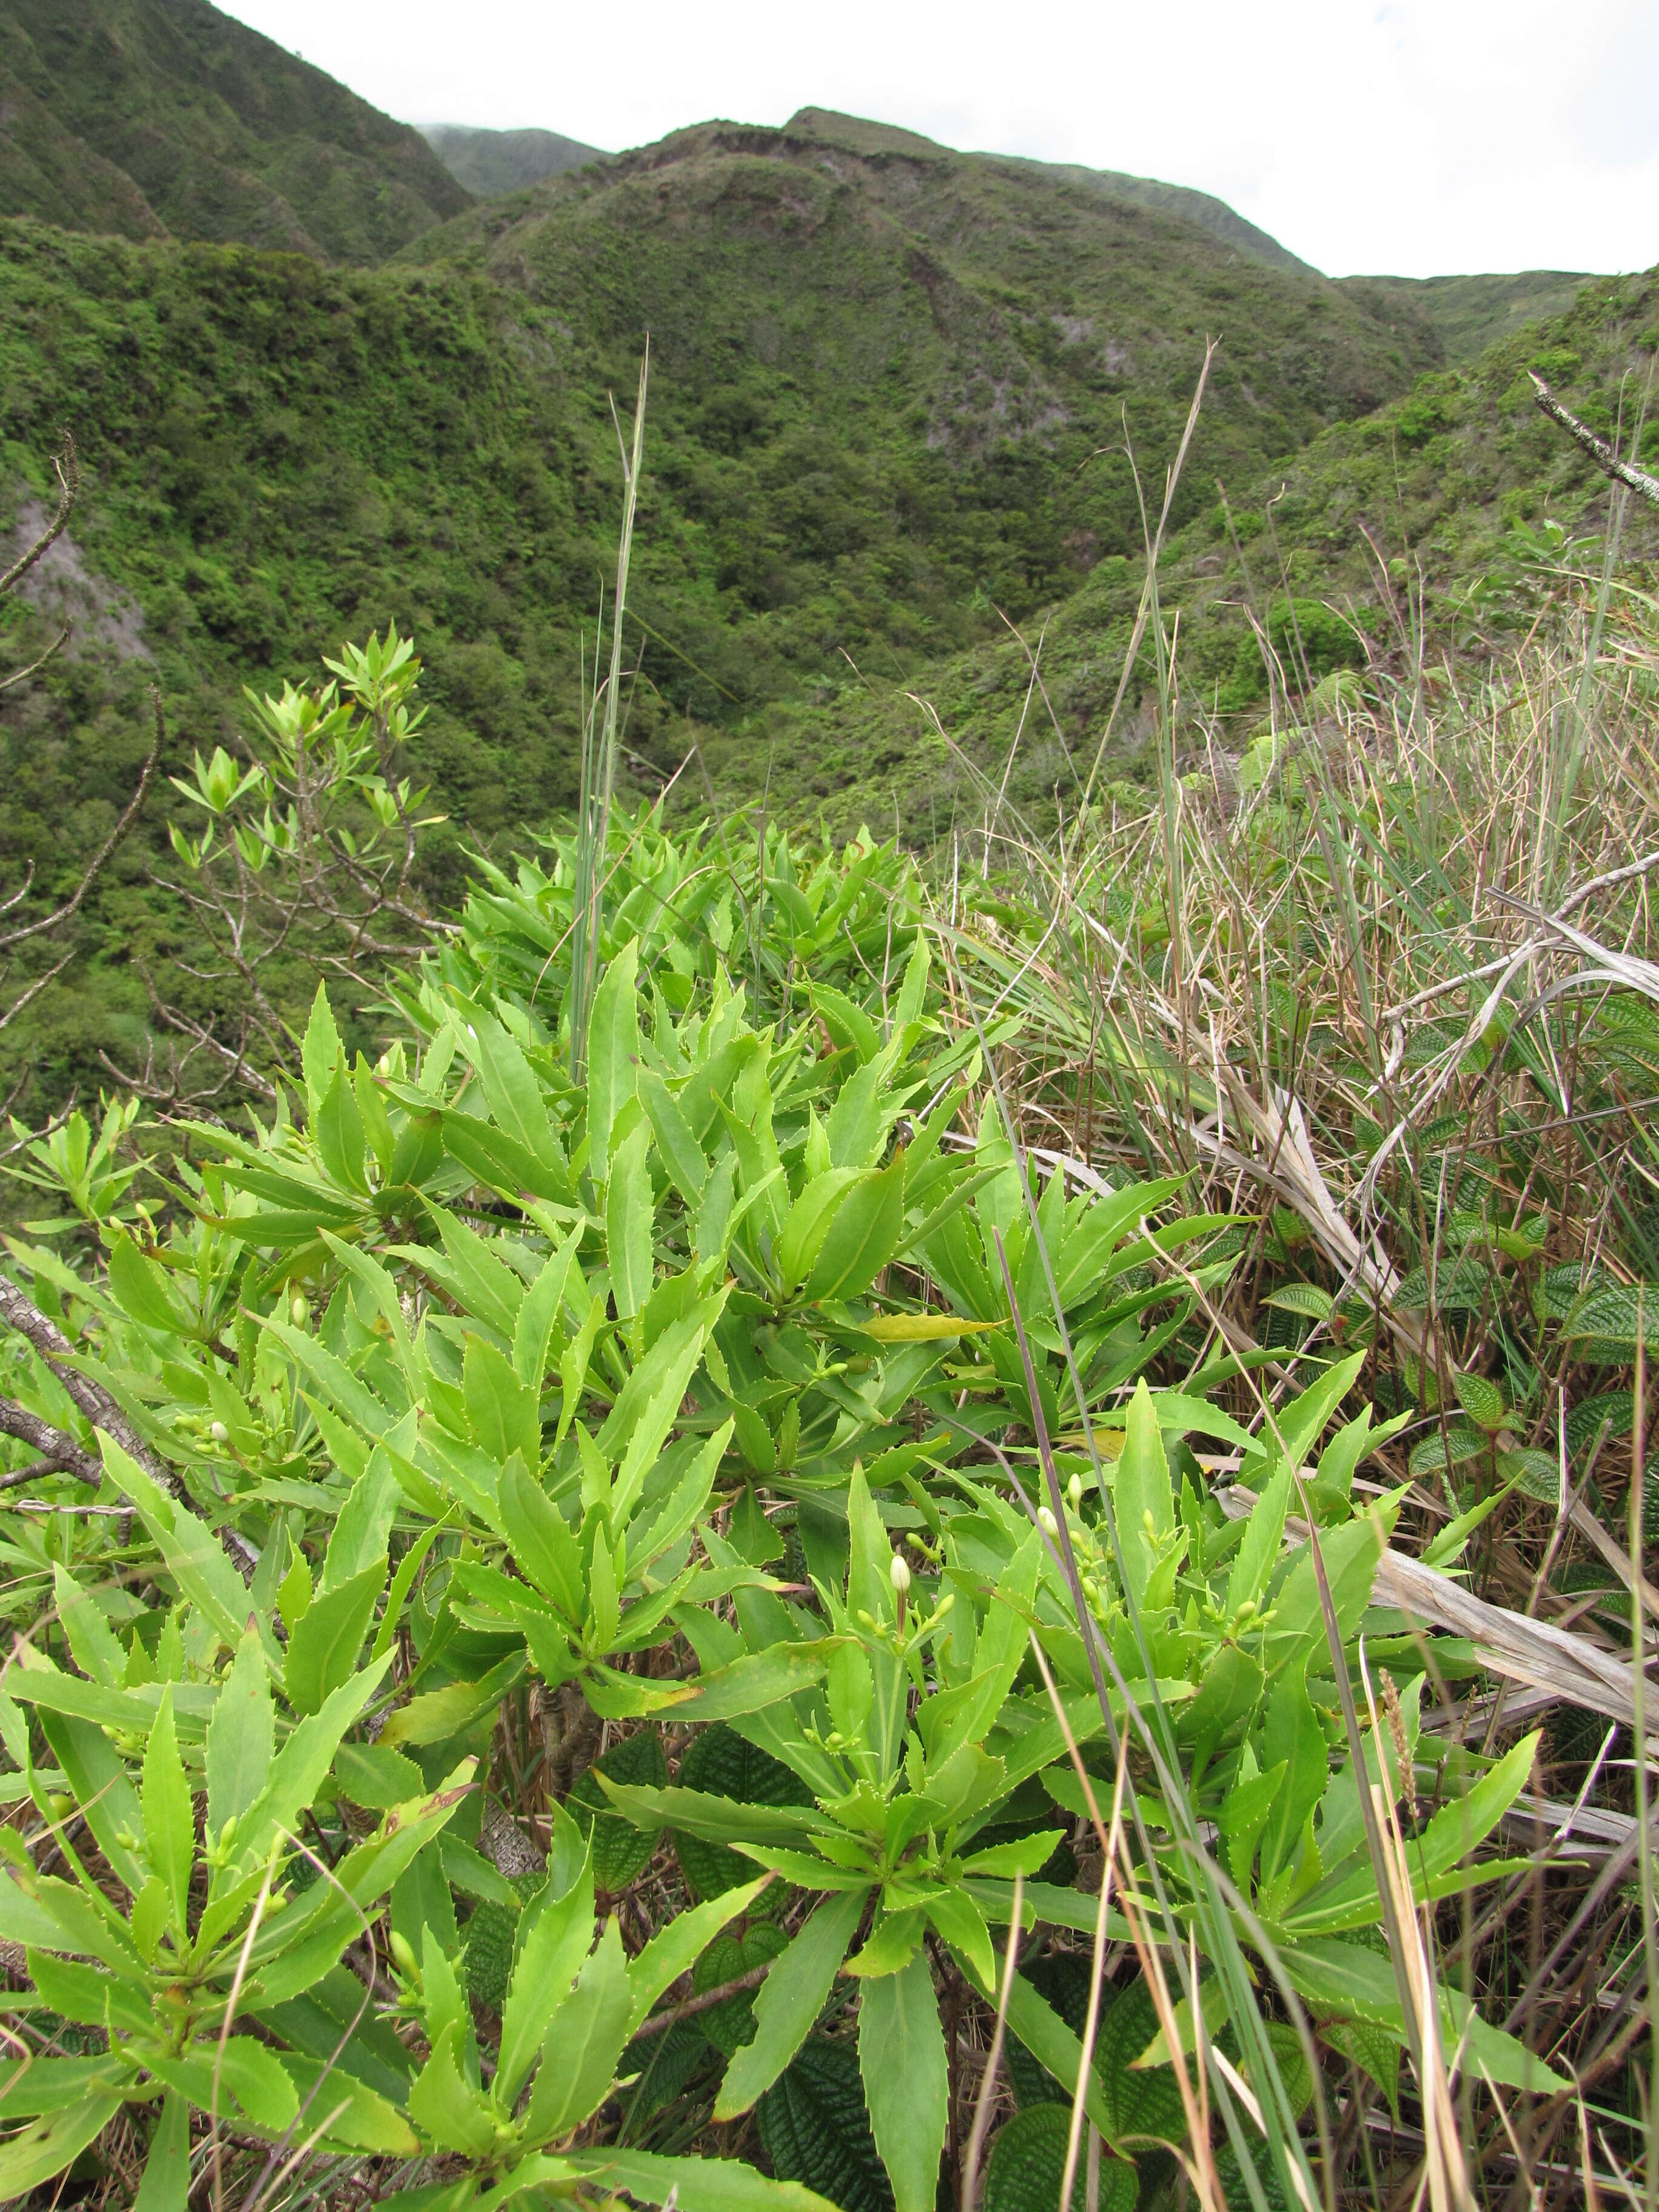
35,666
238,1067
1600,451
37,1328
68,467
100,859
60,1452
34,991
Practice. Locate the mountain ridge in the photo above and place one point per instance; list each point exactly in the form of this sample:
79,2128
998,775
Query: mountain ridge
146,118
491,163
905,404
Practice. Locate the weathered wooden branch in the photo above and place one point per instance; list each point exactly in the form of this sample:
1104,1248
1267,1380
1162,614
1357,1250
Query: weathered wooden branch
68,468
1601,453
99,859
18,1312
62,1454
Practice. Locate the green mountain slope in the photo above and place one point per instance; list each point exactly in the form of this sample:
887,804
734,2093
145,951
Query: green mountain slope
142,117
490,162
1452,485
1469,313
887,407
825,124
891,391
892,379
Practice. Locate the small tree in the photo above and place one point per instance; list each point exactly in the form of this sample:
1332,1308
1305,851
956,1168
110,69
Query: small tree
303,869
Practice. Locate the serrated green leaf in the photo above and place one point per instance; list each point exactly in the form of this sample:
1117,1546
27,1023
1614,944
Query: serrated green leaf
169,1815
556,1940
584,2040
861,1238
241,1737
320,1052
901,2061
613,1052
627,1224
322,1651
790,2000
503,1413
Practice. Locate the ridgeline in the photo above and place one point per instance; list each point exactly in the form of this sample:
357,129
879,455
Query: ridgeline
895,394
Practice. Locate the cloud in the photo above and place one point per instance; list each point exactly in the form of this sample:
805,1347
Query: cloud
1419,136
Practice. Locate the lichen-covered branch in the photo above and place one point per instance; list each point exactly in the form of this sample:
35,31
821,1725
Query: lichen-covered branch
1601,453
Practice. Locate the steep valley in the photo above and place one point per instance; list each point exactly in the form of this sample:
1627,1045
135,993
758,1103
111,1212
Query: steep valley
904,403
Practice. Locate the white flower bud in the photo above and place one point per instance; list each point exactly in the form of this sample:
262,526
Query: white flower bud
1074,1492
1047,1521
899,1573
219,1432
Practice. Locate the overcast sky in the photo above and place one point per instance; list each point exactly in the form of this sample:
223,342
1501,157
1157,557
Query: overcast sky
1420,138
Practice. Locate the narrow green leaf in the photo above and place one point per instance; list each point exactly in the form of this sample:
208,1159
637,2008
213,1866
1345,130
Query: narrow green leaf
514,1094
241,1737
583,2041
91,1639
322,1651
790,2000
1258,1550
441,1714
364,1528
1457,1827
862,1237
165,2187
538,1315
45,2147
627,1224
320,1053
169,1816
681,1153
695,2184
1145,1500
902,2062
808,1223
674,1949
1293,1742
139,1288
338,1128
613,1052
542,1542
751,1684
503,1414
450,2114
553,1945
573,1368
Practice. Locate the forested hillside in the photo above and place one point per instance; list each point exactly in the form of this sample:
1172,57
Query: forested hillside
899,400
1440,525
155,118
491,162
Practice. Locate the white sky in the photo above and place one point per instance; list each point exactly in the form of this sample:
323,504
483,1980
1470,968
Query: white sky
1418,138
